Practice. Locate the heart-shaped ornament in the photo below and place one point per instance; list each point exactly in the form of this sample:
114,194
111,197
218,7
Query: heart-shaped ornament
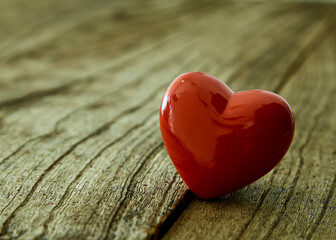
218,140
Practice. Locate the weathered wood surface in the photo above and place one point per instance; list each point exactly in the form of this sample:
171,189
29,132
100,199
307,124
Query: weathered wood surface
81,82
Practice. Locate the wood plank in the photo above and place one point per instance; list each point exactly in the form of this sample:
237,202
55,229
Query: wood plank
81,153
78,42
296,200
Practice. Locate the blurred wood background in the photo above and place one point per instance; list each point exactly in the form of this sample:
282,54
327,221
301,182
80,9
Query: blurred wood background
81,81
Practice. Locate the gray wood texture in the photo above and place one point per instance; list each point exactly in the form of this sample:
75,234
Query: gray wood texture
81,156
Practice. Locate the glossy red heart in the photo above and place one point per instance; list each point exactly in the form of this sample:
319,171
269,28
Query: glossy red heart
218,140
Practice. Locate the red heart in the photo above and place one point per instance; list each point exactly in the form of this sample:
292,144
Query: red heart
221,141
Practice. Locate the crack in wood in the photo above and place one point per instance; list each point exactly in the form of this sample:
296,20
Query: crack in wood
163,227
122,201
324,210
160,229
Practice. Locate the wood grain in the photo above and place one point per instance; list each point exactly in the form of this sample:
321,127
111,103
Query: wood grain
80,88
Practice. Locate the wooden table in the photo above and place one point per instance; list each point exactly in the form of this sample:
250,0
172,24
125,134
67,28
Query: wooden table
81,81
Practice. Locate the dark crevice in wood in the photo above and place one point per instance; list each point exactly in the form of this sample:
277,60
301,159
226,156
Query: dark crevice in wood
170,185
16,150
324,209
62,89
157,227
22,146
9,203
163,227
116,215
35,96
303,55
